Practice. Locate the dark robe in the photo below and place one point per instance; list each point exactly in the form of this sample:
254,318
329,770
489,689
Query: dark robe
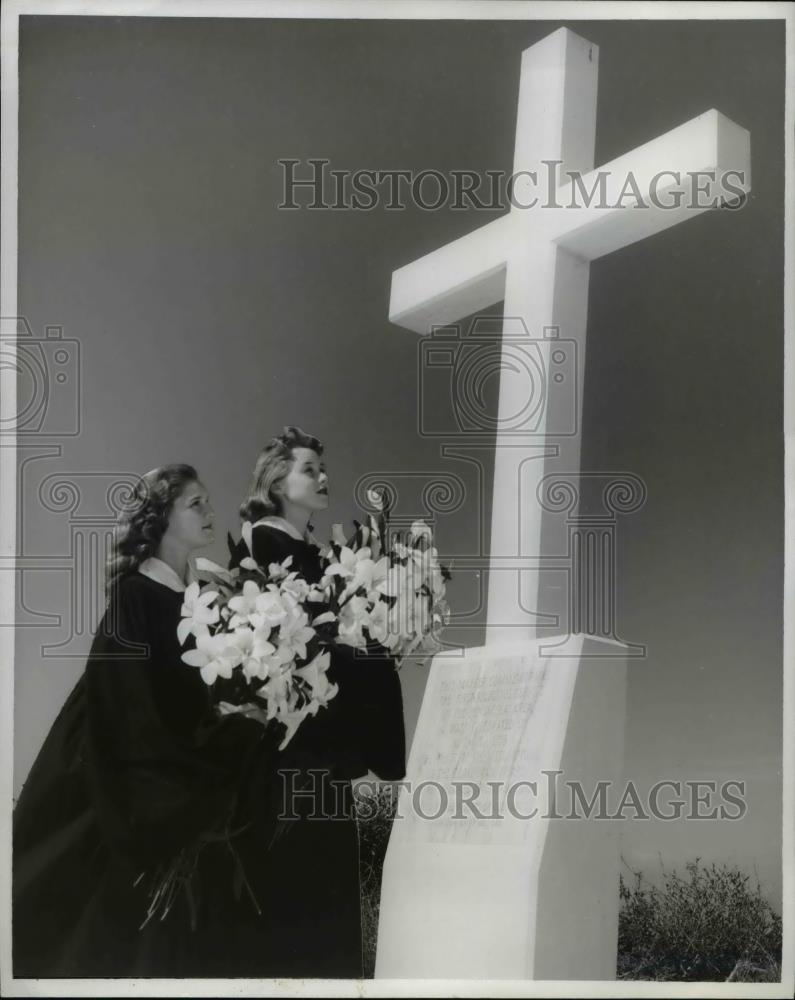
310,874
135,767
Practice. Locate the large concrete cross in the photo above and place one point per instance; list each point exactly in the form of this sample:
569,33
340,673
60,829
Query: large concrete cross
537,260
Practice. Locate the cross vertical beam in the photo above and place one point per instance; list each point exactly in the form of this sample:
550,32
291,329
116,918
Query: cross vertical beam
546,289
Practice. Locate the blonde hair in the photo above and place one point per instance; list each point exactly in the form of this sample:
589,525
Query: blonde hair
272,466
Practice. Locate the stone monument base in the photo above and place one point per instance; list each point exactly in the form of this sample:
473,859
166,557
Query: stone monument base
509,897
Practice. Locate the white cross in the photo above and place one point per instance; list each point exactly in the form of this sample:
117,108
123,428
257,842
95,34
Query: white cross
537,259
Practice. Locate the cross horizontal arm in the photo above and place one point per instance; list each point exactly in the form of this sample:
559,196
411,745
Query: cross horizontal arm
454,281
634,196
708,144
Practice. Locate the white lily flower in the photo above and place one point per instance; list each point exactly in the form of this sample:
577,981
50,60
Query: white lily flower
244,605
278,571
326,584
314,674
294,633
394,582
378,621
261,635
327,616
276,691
270,609
338,535
204,565
296,586
292,719
367,574
422,559
214,655
197,612
354,615
345,565
255,653
419,529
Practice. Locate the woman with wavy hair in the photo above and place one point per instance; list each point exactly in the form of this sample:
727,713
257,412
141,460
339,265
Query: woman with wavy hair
135,771
311,917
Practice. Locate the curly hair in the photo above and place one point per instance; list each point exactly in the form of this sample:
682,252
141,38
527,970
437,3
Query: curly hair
272,465
142,526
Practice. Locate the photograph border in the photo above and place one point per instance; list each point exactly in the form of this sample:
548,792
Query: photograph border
371,9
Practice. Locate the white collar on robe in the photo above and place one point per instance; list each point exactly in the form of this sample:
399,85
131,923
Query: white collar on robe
282,524
161,572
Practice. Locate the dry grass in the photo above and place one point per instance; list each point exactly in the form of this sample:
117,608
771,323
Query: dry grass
374,821
708,925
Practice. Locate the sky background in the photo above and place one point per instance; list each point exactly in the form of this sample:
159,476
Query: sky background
207,319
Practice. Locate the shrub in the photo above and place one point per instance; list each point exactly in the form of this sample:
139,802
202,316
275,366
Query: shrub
706,925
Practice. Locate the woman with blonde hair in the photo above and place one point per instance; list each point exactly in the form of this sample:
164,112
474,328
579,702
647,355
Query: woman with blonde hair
311,916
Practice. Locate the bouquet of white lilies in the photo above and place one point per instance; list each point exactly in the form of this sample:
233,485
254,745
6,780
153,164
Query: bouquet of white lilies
266,632
390,593
260,631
